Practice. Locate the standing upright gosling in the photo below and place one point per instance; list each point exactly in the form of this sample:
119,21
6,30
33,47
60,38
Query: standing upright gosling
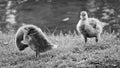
89,27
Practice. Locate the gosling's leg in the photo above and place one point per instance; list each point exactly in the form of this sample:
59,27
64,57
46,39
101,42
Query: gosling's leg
37,53
96,39
85,41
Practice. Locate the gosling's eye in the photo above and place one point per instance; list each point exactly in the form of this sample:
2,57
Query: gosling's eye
83,14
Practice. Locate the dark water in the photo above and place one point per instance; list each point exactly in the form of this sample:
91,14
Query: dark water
49,16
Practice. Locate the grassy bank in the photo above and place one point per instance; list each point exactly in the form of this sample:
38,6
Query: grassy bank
71,53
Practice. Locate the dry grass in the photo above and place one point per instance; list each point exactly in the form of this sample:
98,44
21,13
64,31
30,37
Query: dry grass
70,53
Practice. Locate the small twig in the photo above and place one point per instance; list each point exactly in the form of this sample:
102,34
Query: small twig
48,29
54,30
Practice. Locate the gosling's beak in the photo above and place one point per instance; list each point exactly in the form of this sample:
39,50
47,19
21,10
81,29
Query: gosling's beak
55,46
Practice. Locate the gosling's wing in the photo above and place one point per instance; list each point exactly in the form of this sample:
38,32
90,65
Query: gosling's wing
78,26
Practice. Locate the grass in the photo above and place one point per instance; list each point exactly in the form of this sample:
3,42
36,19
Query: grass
71,53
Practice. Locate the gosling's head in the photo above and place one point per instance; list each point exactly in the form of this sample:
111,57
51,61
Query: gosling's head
83,15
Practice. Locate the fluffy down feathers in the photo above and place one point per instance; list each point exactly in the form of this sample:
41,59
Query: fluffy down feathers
89,27
32,36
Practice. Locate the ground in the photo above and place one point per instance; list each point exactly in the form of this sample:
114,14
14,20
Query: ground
71,53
